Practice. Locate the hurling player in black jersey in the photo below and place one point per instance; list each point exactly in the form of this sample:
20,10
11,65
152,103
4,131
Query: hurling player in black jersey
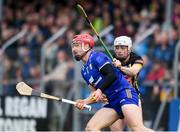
130,64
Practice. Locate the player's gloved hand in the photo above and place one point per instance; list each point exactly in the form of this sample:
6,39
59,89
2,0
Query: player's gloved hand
116,63
79,104
97,95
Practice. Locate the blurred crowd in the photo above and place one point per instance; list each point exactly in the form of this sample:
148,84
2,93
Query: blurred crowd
42,18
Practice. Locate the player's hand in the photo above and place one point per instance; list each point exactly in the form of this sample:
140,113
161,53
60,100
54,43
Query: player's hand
97,95
103,98
79,104
116,63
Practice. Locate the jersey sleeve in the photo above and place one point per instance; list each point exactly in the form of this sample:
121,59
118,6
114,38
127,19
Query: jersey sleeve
100,60
136,59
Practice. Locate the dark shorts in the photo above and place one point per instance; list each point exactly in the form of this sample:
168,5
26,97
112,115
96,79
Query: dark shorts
120,98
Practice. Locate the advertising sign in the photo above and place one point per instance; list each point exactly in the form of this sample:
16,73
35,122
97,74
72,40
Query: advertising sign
23,113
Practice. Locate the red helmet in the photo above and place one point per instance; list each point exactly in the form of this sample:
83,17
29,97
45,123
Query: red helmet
85,38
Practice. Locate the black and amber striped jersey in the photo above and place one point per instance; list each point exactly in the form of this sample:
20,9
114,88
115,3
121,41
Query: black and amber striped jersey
133,59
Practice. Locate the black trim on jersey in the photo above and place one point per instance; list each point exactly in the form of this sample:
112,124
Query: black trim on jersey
139,62
110,76
135,59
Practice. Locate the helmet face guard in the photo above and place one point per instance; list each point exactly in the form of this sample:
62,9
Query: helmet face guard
123,40
84,39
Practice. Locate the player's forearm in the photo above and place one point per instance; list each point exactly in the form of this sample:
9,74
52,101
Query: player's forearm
130,71
92,89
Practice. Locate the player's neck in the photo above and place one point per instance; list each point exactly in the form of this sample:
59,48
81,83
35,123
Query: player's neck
86,56
126,60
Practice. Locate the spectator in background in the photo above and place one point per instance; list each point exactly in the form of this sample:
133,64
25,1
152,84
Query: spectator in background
60,73
36,39
176,17
63,45
9,75
173,40
98,22
119,28
26,63
157,71
143,74
156,76
162,49
35,73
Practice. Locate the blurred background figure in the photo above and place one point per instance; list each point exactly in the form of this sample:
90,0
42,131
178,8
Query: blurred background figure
62,71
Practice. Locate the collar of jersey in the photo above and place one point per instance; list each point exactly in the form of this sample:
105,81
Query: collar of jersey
89,58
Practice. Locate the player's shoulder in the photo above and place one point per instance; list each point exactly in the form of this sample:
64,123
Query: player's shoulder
96,54
135,58
99,57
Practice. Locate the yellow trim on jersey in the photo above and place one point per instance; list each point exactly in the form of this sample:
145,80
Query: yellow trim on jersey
138,65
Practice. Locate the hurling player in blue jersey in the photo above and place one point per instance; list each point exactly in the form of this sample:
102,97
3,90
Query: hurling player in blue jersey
100,74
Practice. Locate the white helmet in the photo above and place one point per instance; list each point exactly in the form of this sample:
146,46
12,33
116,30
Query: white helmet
123,40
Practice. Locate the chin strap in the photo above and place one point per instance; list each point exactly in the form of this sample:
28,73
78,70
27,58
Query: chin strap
84,50
80,57
84,53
